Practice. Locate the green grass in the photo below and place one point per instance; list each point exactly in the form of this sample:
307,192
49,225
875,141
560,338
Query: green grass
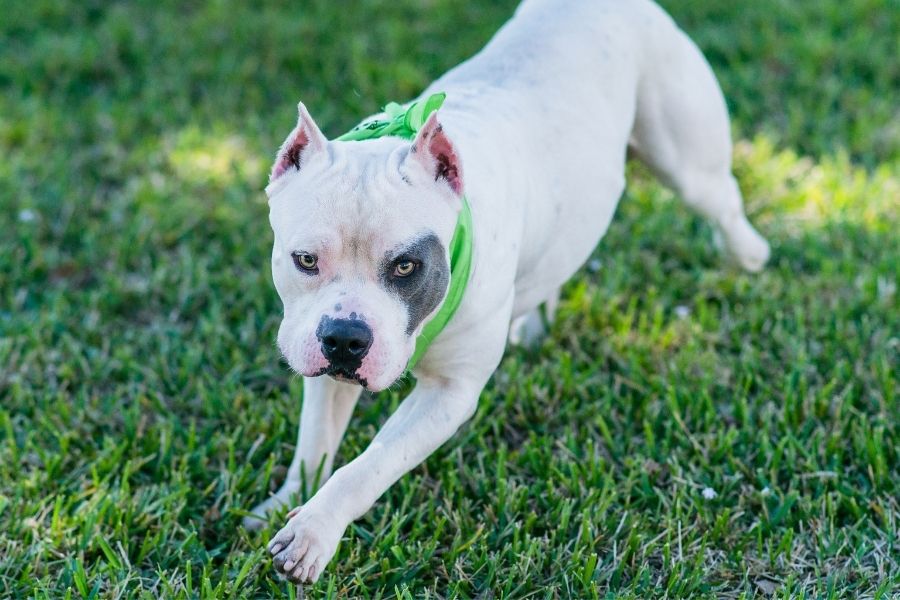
143,404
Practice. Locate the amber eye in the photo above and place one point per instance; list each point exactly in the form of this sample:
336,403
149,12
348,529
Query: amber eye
404,268
305,261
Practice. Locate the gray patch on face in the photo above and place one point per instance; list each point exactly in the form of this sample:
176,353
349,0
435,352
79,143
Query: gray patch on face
422,291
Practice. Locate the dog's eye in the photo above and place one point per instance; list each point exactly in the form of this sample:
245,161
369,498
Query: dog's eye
305,261
404,268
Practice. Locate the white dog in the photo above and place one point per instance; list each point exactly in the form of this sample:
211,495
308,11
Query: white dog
534,134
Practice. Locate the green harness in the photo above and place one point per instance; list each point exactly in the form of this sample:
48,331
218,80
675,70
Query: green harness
405,123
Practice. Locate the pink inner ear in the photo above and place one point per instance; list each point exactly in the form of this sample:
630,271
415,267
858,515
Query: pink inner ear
447,166
290,157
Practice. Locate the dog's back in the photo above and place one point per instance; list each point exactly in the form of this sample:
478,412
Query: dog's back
560,93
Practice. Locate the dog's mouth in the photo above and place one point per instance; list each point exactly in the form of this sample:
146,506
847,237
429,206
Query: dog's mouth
342,374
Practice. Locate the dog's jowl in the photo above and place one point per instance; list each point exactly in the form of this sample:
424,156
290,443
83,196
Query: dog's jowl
531,142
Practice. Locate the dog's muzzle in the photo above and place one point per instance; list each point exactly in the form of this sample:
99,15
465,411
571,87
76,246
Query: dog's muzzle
344,342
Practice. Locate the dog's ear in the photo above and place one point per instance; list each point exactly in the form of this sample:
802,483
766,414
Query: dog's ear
434,151
303,141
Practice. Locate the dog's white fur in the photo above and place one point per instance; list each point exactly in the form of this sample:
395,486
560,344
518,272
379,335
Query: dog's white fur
540,121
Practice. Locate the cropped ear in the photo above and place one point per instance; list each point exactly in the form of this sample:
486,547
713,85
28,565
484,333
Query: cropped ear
434,151
303,141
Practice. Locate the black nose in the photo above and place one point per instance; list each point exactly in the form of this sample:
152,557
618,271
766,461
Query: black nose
344,341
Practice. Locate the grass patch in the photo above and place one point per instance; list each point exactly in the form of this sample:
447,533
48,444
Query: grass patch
143,404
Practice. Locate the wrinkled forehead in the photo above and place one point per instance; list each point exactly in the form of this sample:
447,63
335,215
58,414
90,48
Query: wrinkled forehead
358,223
358,199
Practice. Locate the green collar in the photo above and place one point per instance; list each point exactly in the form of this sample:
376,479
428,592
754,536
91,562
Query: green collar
405,122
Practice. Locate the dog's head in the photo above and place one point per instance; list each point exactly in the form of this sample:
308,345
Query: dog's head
360,258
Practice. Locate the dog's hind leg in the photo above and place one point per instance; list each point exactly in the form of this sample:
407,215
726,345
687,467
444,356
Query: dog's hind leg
529,329
682,133
327,406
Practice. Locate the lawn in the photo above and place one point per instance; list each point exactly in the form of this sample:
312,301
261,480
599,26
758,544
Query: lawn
686,430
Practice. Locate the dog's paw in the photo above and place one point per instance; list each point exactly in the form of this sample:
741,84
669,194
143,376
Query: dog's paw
303,547
743,245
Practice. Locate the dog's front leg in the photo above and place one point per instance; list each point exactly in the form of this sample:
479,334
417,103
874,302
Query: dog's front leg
327,406
424,421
